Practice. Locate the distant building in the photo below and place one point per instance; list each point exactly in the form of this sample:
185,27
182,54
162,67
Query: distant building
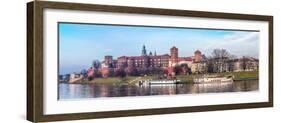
105,72
143,61
234,65
199,67
74,77
245,64
64,78
199,64
108,60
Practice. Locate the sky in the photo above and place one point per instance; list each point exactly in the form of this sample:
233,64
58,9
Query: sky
80,44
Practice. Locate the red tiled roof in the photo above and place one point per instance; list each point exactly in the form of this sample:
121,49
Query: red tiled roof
184,59
135,57
122,57
142,57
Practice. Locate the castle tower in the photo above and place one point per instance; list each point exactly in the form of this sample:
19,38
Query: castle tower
174,55
143,52
197,56
108,60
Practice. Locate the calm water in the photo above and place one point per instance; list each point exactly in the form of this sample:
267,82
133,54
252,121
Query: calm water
76,91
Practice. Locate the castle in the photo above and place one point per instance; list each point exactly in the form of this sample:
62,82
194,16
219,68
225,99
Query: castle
149,60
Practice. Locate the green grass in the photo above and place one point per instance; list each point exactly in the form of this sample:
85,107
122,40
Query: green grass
239,75
250,74
110,80
183,78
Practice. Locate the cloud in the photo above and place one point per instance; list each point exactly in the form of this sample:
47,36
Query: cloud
238,43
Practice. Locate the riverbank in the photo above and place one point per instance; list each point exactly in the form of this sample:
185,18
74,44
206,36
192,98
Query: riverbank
115,80
183,78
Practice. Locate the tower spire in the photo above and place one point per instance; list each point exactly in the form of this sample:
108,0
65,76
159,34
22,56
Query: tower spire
143,52
150,53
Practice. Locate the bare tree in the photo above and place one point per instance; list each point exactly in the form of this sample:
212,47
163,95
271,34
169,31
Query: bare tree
177,70
245,64
96,64
220,58
231,63
210,65
184,68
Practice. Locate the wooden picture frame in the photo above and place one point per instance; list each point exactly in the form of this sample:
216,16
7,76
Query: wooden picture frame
35,46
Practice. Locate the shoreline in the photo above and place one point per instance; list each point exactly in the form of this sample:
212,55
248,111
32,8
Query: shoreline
125,83
186,79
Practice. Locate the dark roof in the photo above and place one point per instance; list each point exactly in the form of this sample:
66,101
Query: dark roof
174,47
142,57
197,52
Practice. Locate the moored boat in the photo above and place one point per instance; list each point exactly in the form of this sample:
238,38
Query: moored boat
208,79
164,81
150,82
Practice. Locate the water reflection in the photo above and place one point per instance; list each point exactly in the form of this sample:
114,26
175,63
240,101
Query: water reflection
76,91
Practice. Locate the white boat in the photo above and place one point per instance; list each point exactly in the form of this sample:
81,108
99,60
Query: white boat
164,81
206,79
150,82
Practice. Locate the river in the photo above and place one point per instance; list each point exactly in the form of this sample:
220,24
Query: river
80,91
77,91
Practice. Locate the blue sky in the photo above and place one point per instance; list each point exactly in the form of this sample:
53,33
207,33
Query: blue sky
80,44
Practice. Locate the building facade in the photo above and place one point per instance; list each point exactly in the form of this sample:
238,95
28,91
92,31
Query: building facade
165,61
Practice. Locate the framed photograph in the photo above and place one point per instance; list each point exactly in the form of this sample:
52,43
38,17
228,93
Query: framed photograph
96,61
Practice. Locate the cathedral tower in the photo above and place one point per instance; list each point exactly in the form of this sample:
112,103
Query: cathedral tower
143,52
